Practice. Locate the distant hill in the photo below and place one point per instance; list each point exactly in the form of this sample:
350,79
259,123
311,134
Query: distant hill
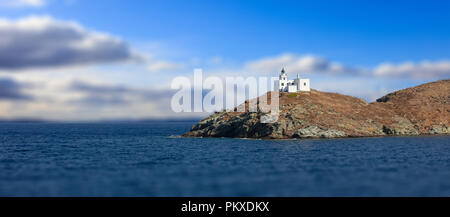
24,120
420,110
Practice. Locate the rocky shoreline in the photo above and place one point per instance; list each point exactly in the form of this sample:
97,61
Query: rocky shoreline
420,110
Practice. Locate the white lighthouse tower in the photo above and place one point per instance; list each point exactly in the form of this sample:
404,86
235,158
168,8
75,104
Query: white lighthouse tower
291,86
283,83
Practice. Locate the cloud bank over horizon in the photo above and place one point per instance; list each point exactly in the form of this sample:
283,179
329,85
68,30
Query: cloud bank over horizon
29,95
81,100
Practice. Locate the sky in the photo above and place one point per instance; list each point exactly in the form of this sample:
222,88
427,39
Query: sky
79,60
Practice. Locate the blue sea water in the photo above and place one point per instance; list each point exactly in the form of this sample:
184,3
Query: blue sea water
145,159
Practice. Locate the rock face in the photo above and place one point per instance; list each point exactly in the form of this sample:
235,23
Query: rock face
419,110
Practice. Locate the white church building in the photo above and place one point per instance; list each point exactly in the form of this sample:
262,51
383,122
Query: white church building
291,86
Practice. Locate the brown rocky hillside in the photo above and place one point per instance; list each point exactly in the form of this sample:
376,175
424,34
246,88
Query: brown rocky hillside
419,110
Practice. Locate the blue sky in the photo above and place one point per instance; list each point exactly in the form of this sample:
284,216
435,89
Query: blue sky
390,44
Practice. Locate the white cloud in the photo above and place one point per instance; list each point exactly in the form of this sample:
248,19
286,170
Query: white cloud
23,3
421,70
41,41
299,64
216,60
309,64
161,66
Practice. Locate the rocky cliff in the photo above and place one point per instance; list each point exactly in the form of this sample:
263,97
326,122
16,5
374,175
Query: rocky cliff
419,110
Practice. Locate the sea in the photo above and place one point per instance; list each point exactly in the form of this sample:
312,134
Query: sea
151,159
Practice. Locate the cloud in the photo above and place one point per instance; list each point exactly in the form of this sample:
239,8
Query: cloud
114,89
301,64
12,90
109,94
112,101
41,41
161,66
310,64
97,93
215,60
85,100
421,70
366,88
22,3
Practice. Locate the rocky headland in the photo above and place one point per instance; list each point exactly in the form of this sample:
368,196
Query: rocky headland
420,110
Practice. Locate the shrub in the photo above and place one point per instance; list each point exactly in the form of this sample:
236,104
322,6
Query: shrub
292,95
